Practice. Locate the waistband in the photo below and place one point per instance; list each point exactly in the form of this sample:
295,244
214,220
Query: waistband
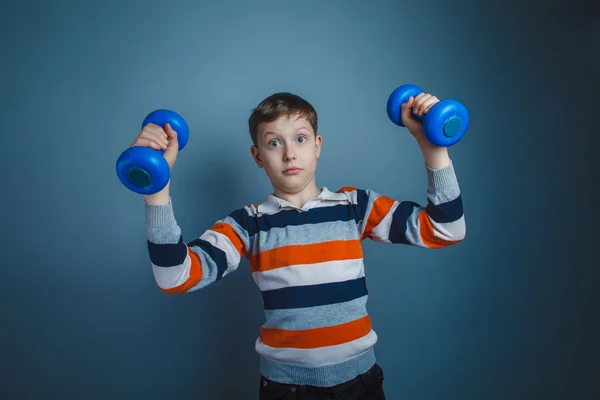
326,375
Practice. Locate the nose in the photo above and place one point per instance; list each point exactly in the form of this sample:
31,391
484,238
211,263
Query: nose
289,154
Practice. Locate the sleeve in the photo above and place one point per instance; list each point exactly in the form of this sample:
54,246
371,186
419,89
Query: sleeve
439,224
181,267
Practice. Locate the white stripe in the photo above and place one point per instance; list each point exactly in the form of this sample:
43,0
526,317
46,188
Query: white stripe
317,357
223,243
169,277
310,274
381,232
353,196
455,230
331,203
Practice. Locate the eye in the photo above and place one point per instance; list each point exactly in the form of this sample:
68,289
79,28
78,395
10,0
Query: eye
301,139
273,143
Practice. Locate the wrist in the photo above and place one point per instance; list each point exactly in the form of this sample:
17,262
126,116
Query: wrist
435,157
159,198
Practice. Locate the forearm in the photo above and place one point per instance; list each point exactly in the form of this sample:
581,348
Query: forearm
435,157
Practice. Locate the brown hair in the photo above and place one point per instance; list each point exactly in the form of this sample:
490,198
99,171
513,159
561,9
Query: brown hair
277,105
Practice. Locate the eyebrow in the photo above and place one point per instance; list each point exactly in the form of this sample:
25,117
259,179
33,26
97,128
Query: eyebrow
277,133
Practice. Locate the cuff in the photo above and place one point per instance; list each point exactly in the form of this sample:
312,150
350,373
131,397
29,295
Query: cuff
160,215
442,178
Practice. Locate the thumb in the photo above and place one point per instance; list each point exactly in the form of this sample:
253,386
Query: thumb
406,110
173,146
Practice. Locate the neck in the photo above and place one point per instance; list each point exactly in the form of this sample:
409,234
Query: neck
310,191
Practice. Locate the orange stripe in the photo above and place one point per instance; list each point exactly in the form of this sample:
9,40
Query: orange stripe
381,206
427,233
318,337
195,276
305,254
227,230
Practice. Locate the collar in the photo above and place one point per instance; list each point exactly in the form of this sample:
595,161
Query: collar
274,203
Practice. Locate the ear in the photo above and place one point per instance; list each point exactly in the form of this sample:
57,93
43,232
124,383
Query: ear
256,156
319,145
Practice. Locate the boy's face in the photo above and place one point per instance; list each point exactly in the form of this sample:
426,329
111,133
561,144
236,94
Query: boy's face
288,151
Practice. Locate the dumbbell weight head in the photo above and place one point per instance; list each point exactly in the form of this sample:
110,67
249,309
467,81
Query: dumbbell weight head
445,123
144,170
398,97
162,117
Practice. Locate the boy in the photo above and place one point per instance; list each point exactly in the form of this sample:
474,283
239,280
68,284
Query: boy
304,248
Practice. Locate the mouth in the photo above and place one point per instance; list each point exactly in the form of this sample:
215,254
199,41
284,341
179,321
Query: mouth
292,171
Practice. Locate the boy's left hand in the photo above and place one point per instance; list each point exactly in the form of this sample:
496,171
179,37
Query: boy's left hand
419,105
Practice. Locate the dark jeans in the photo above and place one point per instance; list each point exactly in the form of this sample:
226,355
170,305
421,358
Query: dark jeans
367,386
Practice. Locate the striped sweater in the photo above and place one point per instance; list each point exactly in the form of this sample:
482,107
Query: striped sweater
308,264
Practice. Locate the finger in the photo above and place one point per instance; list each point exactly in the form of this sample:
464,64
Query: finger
157,130
154,143
152,137
407,115
173,142
148,142
171,154
420,96
407,108
418,106
408,103
170,132
426,106
157,137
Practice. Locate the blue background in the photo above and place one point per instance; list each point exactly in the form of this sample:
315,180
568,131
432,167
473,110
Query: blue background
510,313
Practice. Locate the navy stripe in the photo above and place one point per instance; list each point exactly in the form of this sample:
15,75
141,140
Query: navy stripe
244,220
286,218
216,254
314,295
362,200
253,224
167,255
399,220
446,212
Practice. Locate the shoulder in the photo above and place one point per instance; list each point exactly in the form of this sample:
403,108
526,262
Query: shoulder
243,216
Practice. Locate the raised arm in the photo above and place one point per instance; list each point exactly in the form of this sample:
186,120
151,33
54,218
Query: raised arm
181,267
438,224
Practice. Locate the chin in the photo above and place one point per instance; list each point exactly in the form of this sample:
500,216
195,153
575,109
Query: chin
292,188
295,186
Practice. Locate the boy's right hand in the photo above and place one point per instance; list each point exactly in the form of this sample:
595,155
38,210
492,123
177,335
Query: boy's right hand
158,138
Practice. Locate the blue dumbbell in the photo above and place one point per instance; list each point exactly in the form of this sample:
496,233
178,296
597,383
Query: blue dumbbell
444,124
143,169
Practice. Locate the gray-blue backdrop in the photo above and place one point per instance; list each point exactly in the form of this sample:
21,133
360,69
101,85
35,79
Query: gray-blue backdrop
507,314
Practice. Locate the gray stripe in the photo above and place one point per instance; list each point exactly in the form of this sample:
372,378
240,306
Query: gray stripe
209,269
326,375
413,234
305,234
242,233
317,317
